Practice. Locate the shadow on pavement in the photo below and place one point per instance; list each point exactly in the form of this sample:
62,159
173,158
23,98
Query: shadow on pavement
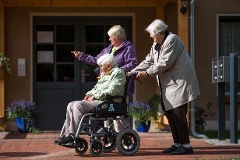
15,135
20,154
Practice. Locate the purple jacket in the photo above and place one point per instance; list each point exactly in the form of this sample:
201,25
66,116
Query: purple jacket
125,57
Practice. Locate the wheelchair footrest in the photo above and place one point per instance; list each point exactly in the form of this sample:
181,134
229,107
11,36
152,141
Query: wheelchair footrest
99,134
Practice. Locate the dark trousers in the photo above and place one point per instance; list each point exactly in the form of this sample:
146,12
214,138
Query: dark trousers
177,119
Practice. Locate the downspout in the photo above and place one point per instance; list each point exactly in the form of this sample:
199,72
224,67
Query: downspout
193,108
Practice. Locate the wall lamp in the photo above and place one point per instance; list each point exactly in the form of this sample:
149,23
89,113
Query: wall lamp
183,9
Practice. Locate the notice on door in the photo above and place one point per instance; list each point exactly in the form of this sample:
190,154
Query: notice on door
45,56
44,37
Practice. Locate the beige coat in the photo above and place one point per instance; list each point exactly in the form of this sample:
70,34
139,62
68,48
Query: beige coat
174,68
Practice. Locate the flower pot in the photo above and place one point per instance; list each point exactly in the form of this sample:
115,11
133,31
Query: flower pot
143,127
10,126
21,125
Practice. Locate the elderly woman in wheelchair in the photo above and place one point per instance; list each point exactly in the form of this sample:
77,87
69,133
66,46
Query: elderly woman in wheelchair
102,102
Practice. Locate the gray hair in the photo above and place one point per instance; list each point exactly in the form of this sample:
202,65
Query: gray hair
117,31
157,26
106,59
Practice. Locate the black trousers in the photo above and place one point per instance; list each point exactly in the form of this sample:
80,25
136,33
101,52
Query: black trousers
177,119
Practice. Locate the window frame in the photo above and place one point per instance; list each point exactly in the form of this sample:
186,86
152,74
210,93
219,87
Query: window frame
219,18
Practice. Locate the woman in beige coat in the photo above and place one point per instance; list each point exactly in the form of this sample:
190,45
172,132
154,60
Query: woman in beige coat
169,61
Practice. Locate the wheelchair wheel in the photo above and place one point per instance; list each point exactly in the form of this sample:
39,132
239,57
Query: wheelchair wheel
96,148
128,142
81,146
108,142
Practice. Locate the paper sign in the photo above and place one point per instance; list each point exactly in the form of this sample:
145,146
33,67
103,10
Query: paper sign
45,37
45,56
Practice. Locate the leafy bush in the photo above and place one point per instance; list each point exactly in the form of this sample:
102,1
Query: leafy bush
155,102
4,61
200,115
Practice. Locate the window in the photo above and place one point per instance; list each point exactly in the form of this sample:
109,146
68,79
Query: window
54,62
229,38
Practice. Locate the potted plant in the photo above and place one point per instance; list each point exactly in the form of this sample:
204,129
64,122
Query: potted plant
4,62
25,115
142,113
155,101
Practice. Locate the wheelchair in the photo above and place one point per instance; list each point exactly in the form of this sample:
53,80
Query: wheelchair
103,137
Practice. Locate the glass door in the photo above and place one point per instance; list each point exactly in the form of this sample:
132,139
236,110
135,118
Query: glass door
54,68
59,77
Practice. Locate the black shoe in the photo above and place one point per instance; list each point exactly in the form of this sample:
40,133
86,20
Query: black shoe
182,150
169,150
58,141
67,140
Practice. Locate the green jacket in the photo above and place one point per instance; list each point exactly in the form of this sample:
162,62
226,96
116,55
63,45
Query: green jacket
112,84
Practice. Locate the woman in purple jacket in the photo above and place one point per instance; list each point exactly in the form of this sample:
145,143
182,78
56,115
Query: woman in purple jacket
124,53
121,48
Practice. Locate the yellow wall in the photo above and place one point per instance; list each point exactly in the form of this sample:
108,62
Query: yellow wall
1,70
85,3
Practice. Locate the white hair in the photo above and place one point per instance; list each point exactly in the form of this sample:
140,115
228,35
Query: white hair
106,59
157,26
117,31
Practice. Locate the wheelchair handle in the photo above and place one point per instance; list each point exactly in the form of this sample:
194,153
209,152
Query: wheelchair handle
134,75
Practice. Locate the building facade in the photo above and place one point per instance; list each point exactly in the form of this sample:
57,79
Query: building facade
41,34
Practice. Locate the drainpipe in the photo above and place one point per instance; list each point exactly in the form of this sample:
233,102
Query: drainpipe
193,108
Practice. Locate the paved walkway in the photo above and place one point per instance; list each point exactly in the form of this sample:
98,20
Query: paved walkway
40,146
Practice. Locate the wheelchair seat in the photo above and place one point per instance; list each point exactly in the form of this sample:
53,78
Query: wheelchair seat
111,109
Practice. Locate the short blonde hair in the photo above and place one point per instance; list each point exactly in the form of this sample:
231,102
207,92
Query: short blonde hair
106,59
157,26
117,31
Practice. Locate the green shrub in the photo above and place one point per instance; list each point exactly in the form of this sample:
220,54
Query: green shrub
200,115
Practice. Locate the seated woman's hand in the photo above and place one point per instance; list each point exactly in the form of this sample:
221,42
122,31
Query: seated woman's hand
86,98
91,98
